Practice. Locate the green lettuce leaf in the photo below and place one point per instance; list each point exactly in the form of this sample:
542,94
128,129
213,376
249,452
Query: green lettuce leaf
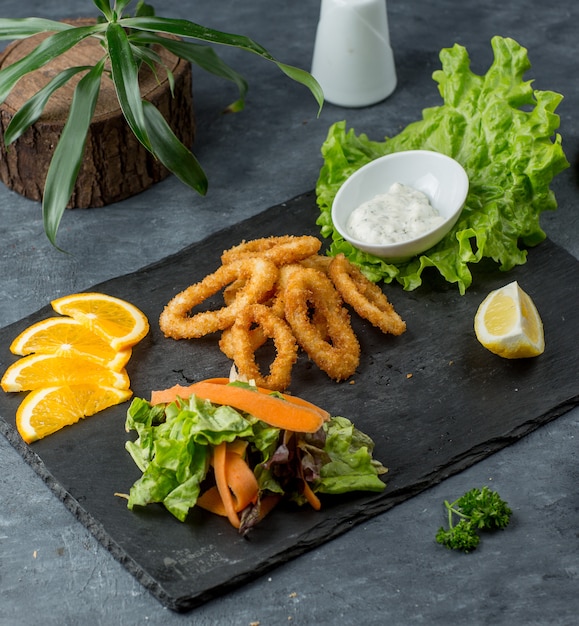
173,449
501,130
352,466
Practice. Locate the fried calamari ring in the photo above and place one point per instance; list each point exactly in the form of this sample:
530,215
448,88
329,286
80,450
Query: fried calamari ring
279,250
317,262
258,277
275,302
278,301
312,301
230,292
364,296
227,344
238,344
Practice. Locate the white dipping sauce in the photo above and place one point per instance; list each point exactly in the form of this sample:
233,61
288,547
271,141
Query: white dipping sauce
399,215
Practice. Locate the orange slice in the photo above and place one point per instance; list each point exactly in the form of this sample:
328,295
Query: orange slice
65,336
44,411
508,324
46,370
118,322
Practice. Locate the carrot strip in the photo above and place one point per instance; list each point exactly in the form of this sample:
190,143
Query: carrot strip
307,491
304,403
266,505
289,398
270,409
290,413
311,497
211,501
179,391
219,465
217,381
237,446
241,488
274,411
171,394
241,481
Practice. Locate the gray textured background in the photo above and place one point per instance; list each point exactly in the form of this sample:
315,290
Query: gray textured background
388,570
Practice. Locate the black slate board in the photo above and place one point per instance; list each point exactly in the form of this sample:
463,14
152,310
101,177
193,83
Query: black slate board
433,400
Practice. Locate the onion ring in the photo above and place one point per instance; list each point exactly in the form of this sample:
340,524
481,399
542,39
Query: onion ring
238,344
335,351
279,250
258,277
364,296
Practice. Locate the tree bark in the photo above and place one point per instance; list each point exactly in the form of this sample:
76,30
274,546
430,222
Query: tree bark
115,164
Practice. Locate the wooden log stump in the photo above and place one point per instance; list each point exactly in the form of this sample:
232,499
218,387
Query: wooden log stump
115,166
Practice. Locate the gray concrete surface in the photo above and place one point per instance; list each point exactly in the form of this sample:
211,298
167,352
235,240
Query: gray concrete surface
389,570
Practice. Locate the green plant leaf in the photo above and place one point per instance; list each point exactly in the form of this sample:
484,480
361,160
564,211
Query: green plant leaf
171,152
304,78
154,61
32,109
148,56
120,5
51,47
20,28
125,75
202,55
144,10
104,6
67,158
187,29
128,45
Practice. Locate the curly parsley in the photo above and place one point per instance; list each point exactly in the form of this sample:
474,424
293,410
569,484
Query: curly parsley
476,510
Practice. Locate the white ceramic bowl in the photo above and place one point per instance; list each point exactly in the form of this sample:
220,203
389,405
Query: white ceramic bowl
442,179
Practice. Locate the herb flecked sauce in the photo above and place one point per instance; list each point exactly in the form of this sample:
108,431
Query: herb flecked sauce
399,215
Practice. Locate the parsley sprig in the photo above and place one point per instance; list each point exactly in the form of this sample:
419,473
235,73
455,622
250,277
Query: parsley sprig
476,510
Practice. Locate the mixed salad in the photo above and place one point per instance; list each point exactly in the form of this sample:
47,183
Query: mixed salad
186,446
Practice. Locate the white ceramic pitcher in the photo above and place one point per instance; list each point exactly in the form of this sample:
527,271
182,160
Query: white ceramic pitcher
353,60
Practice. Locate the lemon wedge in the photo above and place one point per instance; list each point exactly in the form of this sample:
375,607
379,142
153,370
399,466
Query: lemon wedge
508,324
